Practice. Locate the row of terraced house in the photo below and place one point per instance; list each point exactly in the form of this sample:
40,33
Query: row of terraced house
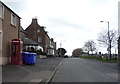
34,36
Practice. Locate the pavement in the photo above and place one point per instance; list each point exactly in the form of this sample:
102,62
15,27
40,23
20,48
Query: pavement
30,74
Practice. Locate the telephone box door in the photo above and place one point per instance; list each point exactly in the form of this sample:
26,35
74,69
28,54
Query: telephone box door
16,49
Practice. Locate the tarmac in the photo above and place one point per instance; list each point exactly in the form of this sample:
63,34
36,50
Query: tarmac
39,73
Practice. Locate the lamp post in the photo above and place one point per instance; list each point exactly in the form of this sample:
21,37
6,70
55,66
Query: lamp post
109,42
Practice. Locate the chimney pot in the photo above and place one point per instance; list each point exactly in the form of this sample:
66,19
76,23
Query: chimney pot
34,20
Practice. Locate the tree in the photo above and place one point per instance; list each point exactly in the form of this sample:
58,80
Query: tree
108,41
61,51
89,46
77,52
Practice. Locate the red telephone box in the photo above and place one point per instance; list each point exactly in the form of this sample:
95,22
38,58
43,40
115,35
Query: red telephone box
16,49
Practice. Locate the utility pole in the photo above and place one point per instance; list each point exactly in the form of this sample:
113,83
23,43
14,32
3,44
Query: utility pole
109,42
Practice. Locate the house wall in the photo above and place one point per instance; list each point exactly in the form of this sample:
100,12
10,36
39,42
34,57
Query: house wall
9,32
55,52
0,25
0,41
22,35
31,31
41,34
1,35
119,30
33,34
47,42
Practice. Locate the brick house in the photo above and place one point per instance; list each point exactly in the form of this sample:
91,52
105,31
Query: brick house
38,34
9,29
52,47
27,42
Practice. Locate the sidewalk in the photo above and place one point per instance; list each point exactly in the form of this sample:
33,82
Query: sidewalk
41,71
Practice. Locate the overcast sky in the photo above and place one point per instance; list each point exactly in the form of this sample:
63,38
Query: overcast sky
70,22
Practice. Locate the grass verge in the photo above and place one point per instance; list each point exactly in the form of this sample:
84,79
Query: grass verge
112,60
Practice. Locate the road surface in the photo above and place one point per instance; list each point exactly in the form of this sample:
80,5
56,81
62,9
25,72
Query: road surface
83,70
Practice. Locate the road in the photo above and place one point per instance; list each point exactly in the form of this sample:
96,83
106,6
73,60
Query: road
83,70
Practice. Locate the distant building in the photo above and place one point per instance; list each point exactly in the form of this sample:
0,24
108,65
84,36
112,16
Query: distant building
52,47
38,34
9,29
28,44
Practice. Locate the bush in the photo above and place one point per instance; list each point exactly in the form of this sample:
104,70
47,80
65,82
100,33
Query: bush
38,52
43,53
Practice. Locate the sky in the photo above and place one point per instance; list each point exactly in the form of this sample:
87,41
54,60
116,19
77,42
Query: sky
70,22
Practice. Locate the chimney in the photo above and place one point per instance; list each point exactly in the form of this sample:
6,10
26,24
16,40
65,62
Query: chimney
52,39
34,20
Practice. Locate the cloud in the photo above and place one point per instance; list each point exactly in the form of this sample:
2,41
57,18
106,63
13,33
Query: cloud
64,22
74,21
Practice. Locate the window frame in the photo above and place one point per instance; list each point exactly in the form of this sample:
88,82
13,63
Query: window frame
2,16
38,30
39,39
13,17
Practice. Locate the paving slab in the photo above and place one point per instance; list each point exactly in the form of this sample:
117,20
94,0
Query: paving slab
41,71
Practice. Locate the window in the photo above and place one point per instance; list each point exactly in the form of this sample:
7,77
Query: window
1,11
39,39
38,30
13,19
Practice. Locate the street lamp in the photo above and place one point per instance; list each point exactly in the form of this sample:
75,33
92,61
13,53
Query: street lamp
109,44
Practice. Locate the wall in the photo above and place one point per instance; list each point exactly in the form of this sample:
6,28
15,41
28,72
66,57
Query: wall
1,16
9,32
22,33
119,30
0,41
47,42
33,34
119,18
